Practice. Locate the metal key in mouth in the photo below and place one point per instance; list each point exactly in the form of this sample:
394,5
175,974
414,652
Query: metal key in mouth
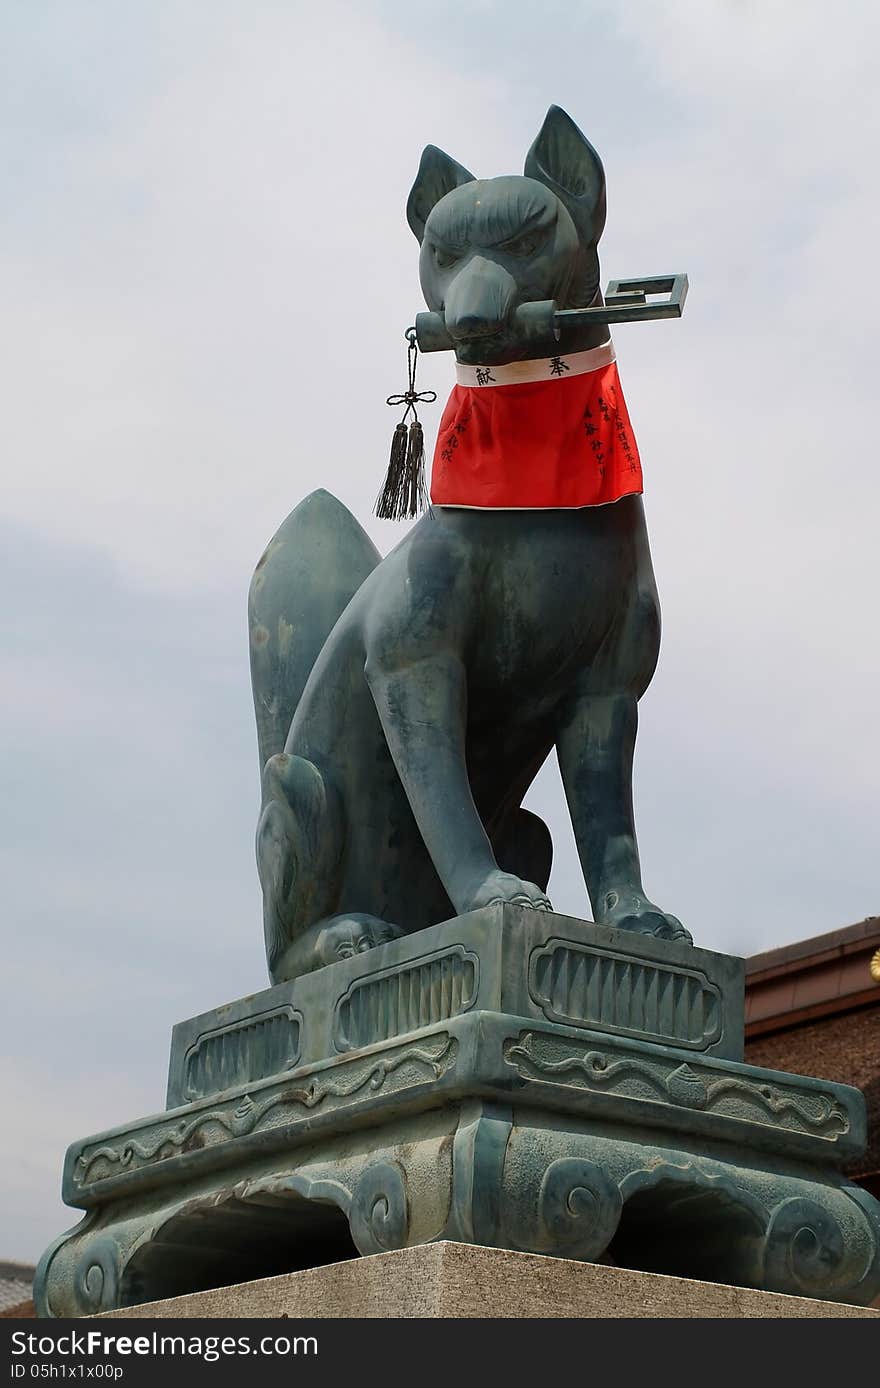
626,301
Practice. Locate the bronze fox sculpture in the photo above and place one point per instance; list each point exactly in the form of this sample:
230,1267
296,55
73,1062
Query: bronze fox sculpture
404,705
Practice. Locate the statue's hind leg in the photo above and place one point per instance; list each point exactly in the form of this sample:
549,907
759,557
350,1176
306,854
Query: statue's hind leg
299,844
299,848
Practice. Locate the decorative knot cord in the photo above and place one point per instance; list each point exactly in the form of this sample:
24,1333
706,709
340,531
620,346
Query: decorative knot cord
405,492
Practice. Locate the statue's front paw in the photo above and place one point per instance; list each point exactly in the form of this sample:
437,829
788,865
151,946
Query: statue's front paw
629,910
504,886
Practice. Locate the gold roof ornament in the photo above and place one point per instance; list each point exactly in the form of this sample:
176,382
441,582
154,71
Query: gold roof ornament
874,966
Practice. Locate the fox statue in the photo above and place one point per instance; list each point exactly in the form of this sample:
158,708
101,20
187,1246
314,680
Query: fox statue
404,705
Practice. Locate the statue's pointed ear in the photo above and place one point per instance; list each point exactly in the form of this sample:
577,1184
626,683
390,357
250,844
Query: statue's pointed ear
437,176
563,159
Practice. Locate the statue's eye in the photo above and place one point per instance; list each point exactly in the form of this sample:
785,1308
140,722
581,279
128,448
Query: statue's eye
524,245
444,259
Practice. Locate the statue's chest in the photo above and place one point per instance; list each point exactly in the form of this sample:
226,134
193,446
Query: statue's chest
548,598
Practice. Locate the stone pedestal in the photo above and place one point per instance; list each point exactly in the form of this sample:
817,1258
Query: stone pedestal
513,1079
461,1280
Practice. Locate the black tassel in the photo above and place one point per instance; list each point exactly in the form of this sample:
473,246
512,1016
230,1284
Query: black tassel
416,490
389,504
405,492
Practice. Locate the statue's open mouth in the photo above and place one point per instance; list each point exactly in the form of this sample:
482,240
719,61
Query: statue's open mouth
491,350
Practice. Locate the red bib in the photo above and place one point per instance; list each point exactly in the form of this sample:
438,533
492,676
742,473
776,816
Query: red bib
536,434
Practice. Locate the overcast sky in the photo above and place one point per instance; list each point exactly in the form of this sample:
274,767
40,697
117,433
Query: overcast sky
206,275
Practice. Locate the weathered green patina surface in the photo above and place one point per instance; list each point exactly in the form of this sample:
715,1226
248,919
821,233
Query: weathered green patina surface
513,1078
441,1056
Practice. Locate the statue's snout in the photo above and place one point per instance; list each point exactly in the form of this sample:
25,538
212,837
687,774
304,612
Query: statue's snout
480,300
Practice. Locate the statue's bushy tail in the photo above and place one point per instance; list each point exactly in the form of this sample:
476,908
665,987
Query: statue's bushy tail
312,567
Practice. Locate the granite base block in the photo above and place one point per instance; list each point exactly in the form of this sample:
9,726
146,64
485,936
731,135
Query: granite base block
442,1280
512,1079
